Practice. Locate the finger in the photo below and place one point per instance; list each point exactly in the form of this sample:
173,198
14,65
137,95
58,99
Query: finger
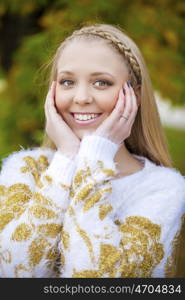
46,106
119,107
51,98
49,94
134,107
134,101
53,112
50,110
53,90
128,102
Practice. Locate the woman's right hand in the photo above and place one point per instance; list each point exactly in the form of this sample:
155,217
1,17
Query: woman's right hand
57,129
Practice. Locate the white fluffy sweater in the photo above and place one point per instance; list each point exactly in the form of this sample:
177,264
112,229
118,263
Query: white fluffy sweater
72,218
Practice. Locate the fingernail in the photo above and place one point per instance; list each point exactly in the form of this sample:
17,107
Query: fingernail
53,84
129,84
123,91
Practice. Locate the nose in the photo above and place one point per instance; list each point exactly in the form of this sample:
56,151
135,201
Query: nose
82,95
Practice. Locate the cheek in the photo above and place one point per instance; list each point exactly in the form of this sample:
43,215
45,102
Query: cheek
60,100
61,104
108,103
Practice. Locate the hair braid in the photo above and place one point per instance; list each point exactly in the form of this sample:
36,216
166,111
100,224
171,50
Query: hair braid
131,60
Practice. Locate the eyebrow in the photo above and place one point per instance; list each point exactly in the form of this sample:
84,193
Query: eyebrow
92,74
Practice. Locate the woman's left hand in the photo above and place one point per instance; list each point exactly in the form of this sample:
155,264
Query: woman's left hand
117,127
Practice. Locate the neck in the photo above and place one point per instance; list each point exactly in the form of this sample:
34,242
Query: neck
126,163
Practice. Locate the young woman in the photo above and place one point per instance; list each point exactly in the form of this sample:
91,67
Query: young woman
100,197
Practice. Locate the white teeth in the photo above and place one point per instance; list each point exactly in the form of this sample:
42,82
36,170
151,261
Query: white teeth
85,117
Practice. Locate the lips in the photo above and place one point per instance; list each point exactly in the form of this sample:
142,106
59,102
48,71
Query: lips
85,113
86,122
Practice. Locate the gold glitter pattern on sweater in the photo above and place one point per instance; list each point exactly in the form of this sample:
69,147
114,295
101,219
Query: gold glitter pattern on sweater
94,196
141,247
109,256
54,260
20,271
22,232
80,177
65,239
138,253
5,256
84,235
41,199
65,186
87,240
104,210
40,222
14,200
83,193
41,212
5,218
91,201
37,250
35,167
86,274
107,172
87,191
48,179
172,260
2,190
50,229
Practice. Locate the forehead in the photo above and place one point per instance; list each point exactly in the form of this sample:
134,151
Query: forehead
91,54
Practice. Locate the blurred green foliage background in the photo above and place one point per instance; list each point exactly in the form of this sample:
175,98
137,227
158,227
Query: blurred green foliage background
30,32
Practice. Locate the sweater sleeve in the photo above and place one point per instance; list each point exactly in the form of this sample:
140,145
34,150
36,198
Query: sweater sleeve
170,219
150,219
34,194
91,243
100,239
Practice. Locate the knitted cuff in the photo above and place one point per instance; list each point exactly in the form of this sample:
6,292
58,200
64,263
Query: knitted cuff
61,168
97,148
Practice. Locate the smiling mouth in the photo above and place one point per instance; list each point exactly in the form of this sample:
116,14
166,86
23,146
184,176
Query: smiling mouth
84,120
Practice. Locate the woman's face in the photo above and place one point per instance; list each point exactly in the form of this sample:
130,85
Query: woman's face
89,77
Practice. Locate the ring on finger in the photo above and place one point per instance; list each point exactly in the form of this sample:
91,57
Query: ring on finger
122,116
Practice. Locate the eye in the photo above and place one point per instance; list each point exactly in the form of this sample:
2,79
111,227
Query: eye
62,82
105,82
67,82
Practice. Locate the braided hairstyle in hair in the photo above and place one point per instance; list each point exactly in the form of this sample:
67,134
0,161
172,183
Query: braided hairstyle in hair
147,136
130,59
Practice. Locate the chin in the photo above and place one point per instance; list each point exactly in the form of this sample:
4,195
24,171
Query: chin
80,134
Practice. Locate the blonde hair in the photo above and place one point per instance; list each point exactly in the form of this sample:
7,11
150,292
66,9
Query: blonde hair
147,135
